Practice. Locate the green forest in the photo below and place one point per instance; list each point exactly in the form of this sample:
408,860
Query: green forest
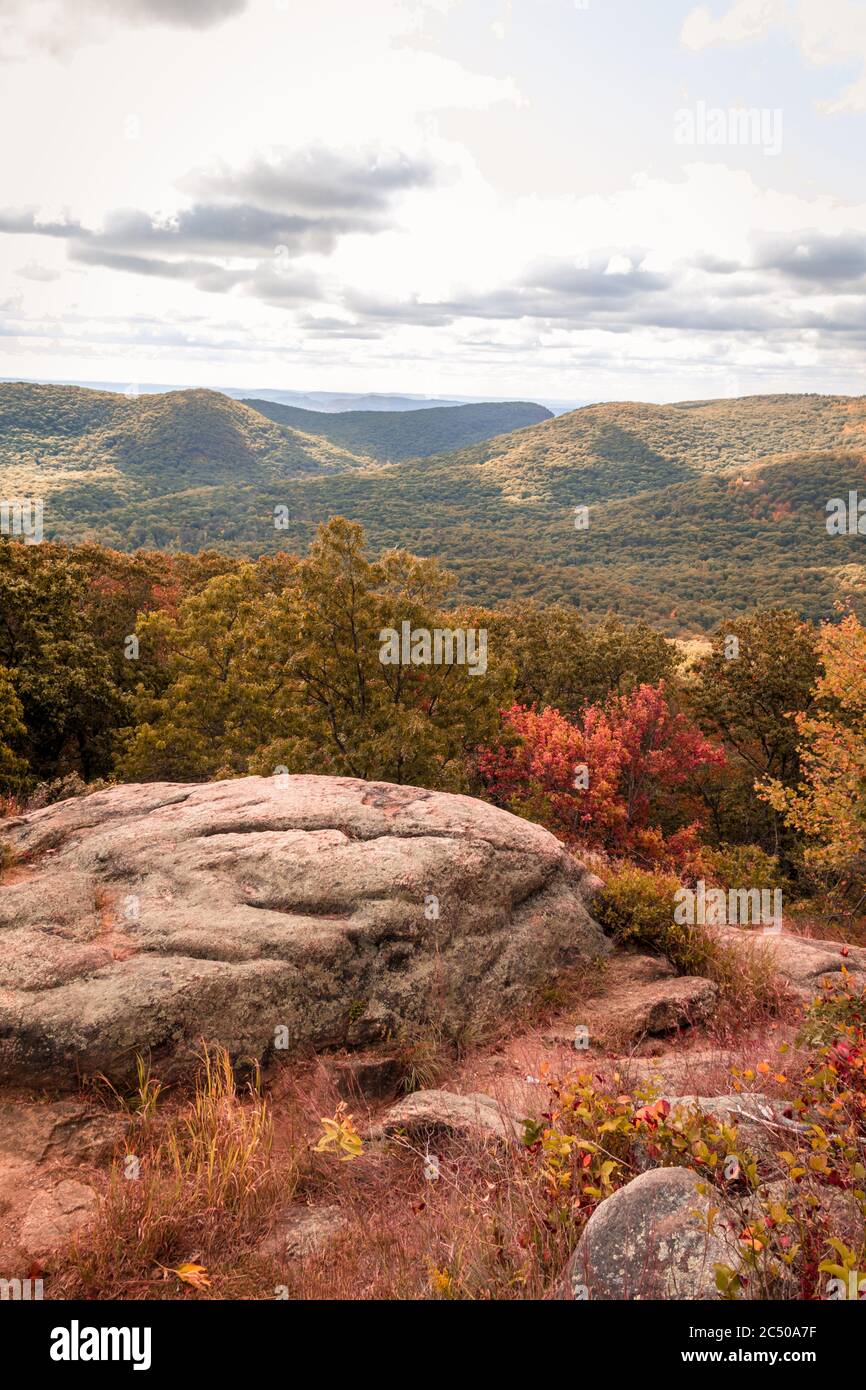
391,435
696,511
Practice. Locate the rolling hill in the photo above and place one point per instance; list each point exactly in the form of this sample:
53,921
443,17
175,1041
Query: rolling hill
390,436
697,511
189,436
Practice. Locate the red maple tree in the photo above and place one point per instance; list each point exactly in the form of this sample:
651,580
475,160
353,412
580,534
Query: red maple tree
606,780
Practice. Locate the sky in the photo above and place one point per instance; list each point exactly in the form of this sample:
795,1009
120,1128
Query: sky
599,200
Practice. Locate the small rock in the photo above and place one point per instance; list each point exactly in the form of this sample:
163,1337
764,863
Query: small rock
642,995
53,1216
442,1112
663,1007
303,1231
649,1240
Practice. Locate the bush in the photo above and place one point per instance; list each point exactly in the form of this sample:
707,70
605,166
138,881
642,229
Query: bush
744,866
62,789
636,907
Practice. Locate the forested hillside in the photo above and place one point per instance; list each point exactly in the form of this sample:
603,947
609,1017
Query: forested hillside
393,435
151,444
695,510
183,668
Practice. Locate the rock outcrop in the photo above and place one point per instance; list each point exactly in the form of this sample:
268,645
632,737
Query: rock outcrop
265,913
801,962
643,996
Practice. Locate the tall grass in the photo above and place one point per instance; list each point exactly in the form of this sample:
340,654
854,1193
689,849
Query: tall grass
199,1185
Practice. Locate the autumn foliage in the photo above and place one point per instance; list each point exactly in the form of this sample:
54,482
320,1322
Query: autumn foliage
828,807
615,778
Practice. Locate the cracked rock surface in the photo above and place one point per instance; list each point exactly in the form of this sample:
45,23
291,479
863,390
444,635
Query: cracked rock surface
642,995
261,912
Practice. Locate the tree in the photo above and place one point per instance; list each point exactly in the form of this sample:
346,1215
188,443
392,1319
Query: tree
13,768
745,693
351,714
560,662
64,680
281,666
611,779
207,697
828,805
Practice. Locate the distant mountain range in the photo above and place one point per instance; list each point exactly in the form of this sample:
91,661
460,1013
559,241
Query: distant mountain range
404,434
333,403
697,510
323,402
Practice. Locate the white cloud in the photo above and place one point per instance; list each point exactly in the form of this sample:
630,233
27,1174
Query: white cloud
745,20
829,32
57,27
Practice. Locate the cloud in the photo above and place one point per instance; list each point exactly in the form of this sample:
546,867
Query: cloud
792,285
327,327
31,221
34,270
317,180
316,234
307,201
548,290
824,260
57,27
829,32
744,21
188,14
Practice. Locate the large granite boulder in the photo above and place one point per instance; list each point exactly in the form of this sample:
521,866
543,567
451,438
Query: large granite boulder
268,913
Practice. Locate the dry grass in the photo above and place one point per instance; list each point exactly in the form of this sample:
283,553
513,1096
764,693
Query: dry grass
216,1170
218,1167
481,1231
750,990
199,1185
825,919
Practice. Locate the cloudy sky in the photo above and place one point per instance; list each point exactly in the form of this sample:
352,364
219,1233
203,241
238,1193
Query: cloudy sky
538,198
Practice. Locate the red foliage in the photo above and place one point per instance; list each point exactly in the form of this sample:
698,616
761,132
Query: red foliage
602,780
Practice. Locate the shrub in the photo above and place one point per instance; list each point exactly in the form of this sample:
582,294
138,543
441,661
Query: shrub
62,789
636,907
813,1222
616,779
744,866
